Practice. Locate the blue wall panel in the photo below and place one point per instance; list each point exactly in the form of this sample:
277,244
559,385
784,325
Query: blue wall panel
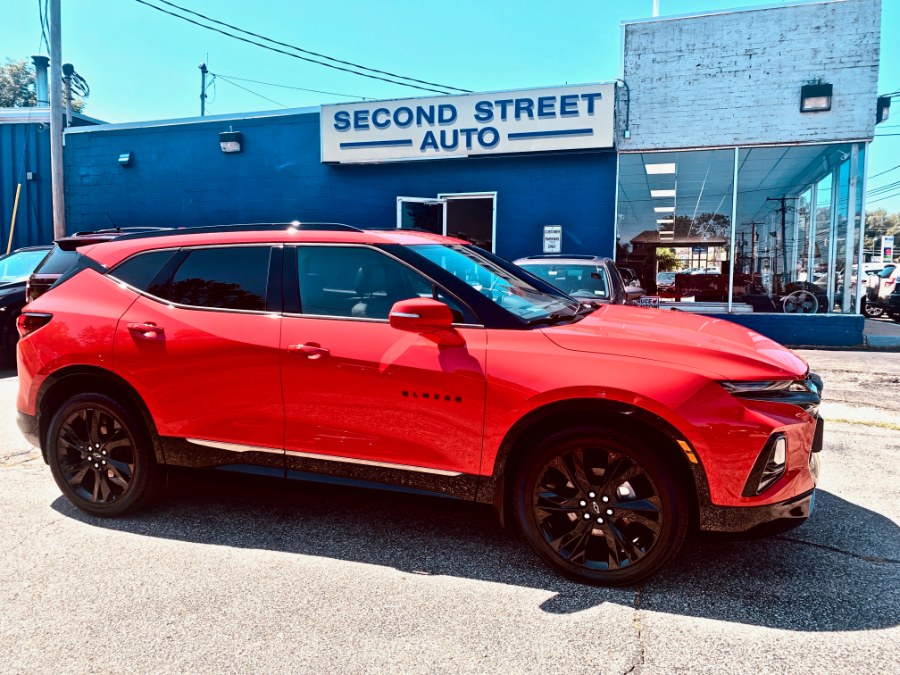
180,177
24,148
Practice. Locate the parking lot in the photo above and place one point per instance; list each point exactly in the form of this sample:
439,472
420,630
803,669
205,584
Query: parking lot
238,574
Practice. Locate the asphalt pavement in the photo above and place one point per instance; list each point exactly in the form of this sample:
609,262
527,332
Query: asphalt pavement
239,574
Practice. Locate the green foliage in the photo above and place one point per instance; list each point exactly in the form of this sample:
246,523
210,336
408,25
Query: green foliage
17,88
666,260
879,223
17,84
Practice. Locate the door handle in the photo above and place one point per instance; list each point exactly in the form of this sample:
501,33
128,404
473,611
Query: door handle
147,330
311,350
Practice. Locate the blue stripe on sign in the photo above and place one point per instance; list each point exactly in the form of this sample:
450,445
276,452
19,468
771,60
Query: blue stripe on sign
376,144
545,134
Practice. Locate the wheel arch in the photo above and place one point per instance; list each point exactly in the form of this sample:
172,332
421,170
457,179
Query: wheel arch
524,434
78,379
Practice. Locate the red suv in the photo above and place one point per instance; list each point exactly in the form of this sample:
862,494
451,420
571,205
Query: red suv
411,360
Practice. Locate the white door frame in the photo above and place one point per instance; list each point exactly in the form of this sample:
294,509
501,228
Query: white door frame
423,200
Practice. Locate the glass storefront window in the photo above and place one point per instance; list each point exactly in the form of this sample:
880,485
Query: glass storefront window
674,222
794,242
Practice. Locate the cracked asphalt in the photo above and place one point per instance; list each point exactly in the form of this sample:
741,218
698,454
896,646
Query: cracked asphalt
235,574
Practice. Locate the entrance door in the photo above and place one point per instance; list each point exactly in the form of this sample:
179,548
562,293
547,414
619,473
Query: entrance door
472,217
422,213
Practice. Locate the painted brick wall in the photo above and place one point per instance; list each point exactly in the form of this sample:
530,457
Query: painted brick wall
735,78
180,177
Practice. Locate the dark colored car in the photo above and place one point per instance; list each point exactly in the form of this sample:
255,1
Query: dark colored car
63,256
590,278
15,268
413,361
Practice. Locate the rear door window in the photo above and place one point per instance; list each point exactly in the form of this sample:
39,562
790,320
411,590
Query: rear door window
233,277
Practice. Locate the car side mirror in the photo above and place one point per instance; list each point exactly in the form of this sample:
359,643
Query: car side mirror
421,315
632,293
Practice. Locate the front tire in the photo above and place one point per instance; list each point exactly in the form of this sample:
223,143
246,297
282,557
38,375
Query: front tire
871,311
601,507
101,456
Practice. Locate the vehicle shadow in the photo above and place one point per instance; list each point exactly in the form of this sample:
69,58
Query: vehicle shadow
812,579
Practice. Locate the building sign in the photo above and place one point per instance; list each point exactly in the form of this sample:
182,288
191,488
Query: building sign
552,238
534,120
887,248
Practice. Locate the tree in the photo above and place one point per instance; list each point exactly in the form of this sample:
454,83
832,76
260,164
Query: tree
666,261
17,88
879,223
17,84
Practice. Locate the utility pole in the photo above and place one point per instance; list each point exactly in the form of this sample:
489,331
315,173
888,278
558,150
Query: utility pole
56,122
783,209
203,72
655,8
68,70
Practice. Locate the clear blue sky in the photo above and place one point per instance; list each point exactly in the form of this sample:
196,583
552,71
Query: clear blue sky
142,64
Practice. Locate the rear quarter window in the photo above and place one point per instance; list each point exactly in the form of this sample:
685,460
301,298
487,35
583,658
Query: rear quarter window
140,270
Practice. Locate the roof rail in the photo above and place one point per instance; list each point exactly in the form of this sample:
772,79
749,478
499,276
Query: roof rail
244,227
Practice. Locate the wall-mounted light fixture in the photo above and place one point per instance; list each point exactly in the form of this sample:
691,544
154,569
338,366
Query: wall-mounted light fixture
125,159
230,141
815,97
883,109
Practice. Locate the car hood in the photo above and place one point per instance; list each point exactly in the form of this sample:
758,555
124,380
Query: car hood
701,343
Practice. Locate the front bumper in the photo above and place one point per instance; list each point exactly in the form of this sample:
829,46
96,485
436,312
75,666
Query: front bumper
758,520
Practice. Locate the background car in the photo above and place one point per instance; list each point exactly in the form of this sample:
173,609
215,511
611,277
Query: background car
588,278
15,268
63,256
880,287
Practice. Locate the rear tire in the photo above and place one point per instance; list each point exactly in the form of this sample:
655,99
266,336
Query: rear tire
600,506
101,456
871,311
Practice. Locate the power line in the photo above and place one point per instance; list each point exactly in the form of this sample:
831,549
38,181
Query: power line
239,86
893,168
288,86
296,56
307,51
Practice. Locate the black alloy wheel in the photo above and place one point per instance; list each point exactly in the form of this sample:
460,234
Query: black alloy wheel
601,507
100,456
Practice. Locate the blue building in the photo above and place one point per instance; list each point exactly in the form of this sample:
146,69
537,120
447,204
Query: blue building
557,170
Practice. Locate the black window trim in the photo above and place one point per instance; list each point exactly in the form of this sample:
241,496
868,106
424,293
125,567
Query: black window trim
292,280
172,266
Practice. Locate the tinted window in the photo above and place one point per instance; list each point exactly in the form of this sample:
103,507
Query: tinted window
224,278
358,282
57,262
140,270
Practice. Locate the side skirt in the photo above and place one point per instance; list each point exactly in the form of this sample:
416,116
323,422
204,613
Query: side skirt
199,453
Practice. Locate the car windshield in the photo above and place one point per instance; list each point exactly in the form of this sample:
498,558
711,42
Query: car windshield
580,281
504,287
665,278
19,266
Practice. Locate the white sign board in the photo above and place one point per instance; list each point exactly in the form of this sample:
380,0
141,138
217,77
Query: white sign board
552,238
887,248
648,301
535,120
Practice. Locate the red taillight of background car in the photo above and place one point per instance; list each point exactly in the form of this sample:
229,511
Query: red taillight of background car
28,322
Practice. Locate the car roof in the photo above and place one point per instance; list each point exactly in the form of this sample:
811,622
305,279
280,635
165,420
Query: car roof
112,252
562,259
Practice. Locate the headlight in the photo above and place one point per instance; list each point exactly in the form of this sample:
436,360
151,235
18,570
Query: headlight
803,393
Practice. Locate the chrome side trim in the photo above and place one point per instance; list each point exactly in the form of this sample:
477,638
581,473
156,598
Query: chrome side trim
406,315
238,447
369,462
234,447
